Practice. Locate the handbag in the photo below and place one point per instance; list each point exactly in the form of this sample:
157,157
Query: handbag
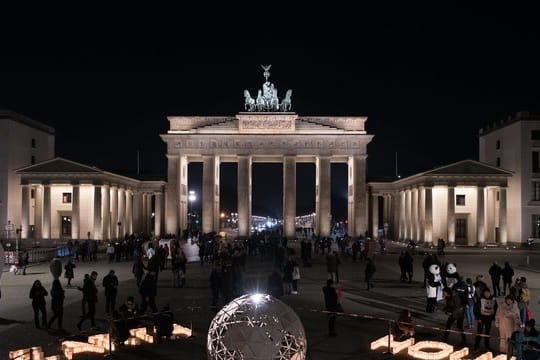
296,273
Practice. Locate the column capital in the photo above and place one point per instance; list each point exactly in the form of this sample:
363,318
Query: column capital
172,156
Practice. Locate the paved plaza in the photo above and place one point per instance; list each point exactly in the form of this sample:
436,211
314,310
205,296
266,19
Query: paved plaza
191,304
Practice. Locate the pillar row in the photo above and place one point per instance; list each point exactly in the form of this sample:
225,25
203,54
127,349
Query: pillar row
244,196
323,189
289,196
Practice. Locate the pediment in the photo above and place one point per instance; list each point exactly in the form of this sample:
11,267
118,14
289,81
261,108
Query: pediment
58,165
468,167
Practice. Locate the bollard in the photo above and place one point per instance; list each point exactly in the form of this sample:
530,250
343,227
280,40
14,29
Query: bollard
389,349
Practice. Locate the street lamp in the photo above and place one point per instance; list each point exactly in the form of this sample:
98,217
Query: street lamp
192,196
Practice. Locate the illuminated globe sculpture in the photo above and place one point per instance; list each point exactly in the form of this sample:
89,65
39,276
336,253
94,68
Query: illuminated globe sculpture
254,327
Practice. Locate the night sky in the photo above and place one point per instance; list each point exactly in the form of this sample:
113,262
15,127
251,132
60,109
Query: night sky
427,78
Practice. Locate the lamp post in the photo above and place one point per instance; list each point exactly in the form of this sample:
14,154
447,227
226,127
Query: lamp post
192,196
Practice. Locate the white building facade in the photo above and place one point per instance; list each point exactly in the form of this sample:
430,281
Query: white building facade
515,145
23,142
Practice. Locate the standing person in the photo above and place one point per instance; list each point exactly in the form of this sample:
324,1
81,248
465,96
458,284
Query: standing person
138,270
507,320
471,300
485,310
409,266
332,304
295,277
495,272
455,311
69,273
90,294
370,270
507,275
215,285
523,298
110,284
110,252
479,286
37,294
401,263
288,275
57,303
23,261
331,266
148,292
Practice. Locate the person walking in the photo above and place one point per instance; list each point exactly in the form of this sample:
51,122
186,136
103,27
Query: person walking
485,310
507,320
507,275
409,266
495,272
523,298
90,295
332,266
110,284
332,304
37,294
138,270
148,292
456,313
57,304
369,272
69,273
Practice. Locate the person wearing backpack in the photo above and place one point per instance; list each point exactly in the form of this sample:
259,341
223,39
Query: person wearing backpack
523,298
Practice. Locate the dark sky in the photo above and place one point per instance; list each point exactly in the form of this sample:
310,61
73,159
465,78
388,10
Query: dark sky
427,76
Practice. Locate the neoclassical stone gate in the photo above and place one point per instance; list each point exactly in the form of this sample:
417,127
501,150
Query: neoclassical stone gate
267,133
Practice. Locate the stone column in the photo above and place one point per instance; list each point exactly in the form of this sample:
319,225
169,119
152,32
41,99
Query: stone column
421,214
357,195
121,212
451,215
428,224
144,221
289,197
158,214
375,215
106,211
402,227
46,232
210,188
172,196
114,211
129,212
217,166
396,215
480,216
148,213
244,196
137,212
97,212
408,210
183,193
323,189
75,212
414,213
25,211
38,213
503,232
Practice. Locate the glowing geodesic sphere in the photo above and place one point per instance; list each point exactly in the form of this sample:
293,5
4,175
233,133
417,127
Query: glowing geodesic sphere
254,327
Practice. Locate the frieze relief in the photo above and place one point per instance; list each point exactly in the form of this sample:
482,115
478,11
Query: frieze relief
272,144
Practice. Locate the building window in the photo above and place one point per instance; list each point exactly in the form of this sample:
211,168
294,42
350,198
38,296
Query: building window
535,134
498,162
498,144
536,191
66,198
535,226
535,162
33,160
460,200
33,143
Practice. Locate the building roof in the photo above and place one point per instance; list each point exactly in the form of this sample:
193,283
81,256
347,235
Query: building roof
58,165
519,116
14,116
467,167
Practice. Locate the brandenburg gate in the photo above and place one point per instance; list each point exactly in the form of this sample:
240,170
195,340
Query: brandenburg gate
267,132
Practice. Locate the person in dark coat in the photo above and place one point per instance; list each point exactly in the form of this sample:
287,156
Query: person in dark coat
484,310
369,272
456,313
110,284
148,292
332,304
57,303
275,285
90,294
507,275
138,270
69,273
37,294
164,323
495,272
408,265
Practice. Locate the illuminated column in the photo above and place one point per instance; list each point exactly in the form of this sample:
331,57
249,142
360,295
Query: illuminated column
144,221
451,215
401,219
396,202
480,216
375,215
357,195
129,212
428,223
25,211
38,212
289,196
408,210
114,211
97,212
158,213
244,196
46,232
121,212
421,214
323,209
414,213
182,195
75,212
137,212
210,196
106,211
172,196
148,213
502,216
